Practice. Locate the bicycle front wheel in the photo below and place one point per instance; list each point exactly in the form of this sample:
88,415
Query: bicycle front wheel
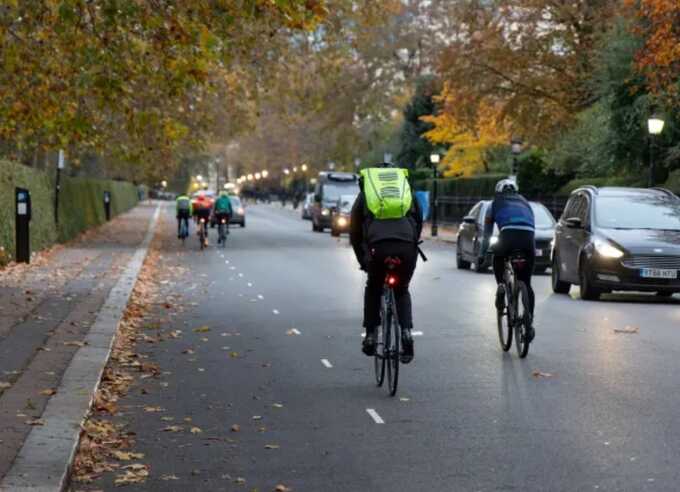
504,317
393,347
522,319
379,357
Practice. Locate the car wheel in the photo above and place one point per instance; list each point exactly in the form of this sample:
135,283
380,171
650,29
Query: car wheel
588,291
558,286
461,264
315,227
243,223
335,232
479,266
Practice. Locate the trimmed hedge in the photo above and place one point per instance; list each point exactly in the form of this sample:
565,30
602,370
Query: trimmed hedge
80,205
43,229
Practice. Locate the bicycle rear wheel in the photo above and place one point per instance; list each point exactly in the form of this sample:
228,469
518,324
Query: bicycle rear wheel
392,345
522,319
503,317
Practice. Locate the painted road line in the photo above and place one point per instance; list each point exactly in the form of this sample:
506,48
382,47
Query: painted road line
296,331
374,415
275,311
326,363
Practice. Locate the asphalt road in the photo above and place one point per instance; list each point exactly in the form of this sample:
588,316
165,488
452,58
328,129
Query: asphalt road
467,417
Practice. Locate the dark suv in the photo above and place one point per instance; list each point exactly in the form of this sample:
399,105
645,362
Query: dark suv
618,239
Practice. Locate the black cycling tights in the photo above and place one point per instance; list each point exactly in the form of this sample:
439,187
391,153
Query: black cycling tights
511,240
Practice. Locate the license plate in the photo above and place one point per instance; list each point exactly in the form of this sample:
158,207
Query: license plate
539,252
658,273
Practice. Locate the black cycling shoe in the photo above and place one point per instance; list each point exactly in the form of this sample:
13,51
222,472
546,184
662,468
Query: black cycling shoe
500,297
407,346
368,345
531,333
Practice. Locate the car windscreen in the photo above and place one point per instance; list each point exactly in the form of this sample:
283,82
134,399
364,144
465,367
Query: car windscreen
235,202
638,212
346,202
333,191
542,217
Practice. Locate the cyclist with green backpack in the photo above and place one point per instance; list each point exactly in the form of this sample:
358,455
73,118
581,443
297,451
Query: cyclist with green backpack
386,222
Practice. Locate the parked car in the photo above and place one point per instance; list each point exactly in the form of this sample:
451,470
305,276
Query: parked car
471,233
341,216
329,187
307,206
239,211
618,239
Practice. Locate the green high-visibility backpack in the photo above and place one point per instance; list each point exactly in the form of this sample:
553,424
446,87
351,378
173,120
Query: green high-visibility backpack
387,192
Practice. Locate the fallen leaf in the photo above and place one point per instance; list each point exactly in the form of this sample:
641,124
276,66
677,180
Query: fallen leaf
627,330
136,473
44,349
196,430
403,398
277,405
35,422
127,456
48,392
271,446
257,417
539,374
205,339
4,385
240,480
235,428
233,355
153,409
168,419
202,329
169,477
172,428
282,488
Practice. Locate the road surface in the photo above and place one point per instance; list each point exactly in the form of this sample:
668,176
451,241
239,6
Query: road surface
589,409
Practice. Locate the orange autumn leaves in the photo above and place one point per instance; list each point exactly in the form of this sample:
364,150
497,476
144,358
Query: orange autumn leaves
659,60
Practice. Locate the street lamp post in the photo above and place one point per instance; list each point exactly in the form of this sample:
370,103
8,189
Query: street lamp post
304,172
655,126
434,159
516,145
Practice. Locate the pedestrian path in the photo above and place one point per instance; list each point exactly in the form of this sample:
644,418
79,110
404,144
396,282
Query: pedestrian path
46,310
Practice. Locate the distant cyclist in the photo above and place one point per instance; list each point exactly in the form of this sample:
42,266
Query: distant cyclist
222,208
386,221
202,210
184,212
515,219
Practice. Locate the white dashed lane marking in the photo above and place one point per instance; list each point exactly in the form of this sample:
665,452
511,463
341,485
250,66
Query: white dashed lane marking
326,363
374,415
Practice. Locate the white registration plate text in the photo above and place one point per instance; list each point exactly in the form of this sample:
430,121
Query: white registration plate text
658,273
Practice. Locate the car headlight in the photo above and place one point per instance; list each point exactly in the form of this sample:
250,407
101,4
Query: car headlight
325,211
493,240
240,211
607,250
342,222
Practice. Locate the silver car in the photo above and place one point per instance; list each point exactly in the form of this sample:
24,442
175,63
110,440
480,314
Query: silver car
306,207
239,212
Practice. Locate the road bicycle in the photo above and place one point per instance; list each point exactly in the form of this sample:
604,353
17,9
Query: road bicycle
183,229
202,236
222,232
388,336
514,318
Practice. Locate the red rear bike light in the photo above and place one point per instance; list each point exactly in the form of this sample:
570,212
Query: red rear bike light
391,280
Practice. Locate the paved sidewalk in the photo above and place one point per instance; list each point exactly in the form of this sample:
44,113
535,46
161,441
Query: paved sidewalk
46,310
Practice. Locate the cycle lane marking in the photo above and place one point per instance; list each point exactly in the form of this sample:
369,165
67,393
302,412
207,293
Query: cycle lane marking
327,363
374,415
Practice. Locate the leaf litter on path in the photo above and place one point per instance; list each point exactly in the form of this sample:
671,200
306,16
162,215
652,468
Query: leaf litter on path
539,374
